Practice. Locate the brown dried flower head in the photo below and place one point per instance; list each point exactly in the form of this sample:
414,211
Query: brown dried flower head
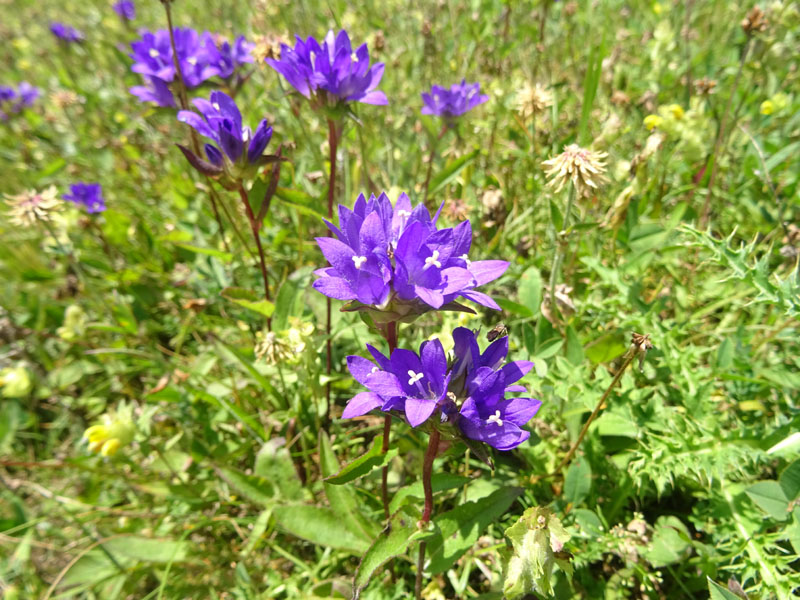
705,86
755,21
267,46
31,206
585,168
533,100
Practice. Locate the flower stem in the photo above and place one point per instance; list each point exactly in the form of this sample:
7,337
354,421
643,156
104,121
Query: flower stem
332,140
431,156
560,249
427,468
254,227
391,339
718,144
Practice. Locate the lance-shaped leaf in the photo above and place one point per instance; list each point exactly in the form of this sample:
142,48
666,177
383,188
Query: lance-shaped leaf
364,464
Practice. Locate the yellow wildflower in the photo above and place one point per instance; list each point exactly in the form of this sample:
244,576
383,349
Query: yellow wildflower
653,121
117,430
676,111
767,107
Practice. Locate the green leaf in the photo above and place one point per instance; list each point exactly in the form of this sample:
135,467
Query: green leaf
574,347
246,298
148,550
392,541
274,464
669,543
225,257
320,525
343,499
530,290
725,354
514,307
605,348
439,483
717,592
790,480
457,530
256,489
770,497
453,168
364,464
299,201
578,481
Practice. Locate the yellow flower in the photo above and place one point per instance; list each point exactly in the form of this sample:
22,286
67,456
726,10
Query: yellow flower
585,168
117,430
15,382
676,111
767,107
653,121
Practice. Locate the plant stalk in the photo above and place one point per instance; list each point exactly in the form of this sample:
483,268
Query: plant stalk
254,227
431,156
391,339
332,142
427,468
560,249
718,144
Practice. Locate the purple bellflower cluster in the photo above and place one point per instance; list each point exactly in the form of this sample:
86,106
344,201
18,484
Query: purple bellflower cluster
331,73
238,151
66,33
13,101
468,392
449,103
199,56
126,9
393,262
88,195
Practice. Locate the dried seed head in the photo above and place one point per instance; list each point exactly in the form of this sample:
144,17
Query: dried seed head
267,46
585,168
26,208
755,21
705,86
533,100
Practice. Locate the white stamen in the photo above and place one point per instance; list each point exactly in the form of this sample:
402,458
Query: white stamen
359,260
413,377
192,60
466,259
432,260
374,370
215,105
153,53
403,213
495,418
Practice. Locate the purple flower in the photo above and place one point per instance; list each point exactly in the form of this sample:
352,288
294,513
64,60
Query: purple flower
395,261
66,33
12,100
470,395
90,195
126,9
460,98
331,72
199,56
221,122
413,383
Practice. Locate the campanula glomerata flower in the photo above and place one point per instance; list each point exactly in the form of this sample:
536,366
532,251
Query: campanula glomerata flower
66,33
13,100
395,263
453,102
238,149
88,195
126,9
199,56
331,73
469,391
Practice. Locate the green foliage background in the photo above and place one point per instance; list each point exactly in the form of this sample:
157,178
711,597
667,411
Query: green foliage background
689,473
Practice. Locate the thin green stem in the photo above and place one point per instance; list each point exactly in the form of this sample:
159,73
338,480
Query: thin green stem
332,142
560,250
254,226
431,157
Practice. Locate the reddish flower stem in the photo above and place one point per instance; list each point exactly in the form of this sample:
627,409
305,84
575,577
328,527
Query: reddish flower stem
434,145
427,468
254,227
391,339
